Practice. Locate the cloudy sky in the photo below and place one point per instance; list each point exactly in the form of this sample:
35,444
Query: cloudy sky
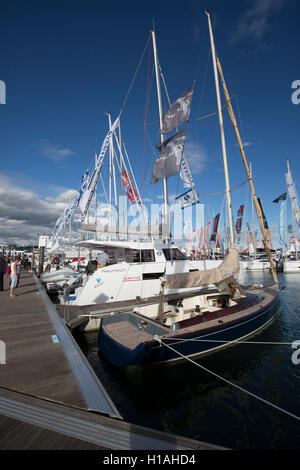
67,63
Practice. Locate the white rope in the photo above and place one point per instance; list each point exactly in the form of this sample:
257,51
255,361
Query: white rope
228,382
289,307
234,341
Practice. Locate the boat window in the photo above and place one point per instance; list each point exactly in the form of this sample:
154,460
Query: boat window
137,256
173,254
148,256
132,256
149,276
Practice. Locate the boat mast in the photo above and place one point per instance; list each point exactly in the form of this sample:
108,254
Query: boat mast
96,207
166,207
228,196
253,219
112,175
292,210
249,176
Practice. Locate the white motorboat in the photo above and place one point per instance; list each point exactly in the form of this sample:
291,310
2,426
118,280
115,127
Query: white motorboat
291,266
255,264
59,277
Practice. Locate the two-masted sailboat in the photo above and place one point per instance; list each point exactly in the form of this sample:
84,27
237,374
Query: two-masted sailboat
198,324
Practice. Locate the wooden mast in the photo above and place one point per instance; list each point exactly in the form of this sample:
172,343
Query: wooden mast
249,176
228,195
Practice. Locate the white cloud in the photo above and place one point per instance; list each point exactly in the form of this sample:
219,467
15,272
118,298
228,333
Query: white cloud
255,22
56,153
196,157
245,144
24,214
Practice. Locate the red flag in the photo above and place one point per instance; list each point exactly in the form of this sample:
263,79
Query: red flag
126,180
131,192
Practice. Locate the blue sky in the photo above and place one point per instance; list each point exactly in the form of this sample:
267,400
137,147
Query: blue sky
65,64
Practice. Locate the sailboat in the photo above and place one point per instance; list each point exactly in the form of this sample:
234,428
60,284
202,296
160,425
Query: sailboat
291,264
136,266
255,261
201,324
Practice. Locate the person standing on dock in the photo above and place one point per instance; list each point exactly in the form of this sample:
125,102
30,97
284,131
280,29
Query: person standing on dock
2,270
14,273
18,259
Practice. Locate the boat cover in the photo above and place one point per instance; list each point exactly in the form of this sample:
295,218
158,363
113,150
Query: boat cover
228,268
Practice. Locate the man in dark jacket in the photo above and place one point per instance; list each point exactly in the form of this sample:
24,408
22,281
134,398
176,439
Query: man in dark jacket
2,270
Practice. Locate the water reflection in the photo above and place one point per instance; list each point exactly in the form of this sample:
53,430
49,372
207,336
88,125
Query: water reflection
185,400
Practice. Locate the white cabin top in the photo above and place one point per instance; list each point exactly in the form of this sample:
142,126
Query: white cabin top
136,252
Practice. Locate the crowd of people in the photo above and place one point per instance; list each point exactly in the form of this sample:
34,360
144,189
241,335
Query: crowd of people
11,266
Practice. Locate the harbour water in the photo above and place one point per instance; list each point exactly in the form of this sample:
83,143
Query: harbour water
183,399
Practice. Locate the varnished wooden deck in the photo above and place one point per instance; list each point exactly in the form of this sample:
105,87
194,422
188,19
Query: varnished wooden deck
41,404
34,363
127,334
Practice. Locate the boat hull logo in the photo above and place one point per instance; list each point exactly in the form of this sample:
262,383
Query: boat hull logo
99,283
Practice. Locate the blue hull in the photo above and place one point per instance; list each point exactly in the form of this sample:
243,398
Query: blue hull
148,352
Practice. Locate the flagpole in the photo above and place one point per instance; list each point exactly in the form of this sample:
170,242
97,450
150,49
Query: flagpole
165,185
228,196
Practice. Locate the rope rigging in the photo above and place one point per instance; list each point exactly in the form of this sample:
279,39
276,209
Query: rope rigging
278,408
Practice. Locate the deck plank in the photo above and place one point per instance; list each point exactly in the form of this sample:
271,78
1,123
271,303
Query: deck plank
34,363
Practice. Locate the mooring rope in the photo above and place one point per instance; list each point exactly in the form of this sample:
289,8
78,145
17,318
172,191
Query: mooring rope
233,342
228,381
288,306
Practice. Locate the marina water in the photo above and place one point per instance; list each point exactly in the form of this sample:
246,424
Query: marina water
183,399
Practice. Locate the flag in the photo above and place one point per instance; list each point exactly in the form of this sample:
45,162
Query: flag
169,161
132,195
205,236
88,194
185,173
293,196
215,228
282,218
70,209
186,199
263,214
241,211
238,225
125,180
178,113
131,192
280,198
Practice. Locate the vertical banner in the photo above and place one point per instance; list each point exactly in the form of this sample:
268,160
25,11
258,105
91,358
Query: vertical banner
263,214
130,189
241,211
205,236
282,218
88,194
238,226
215,228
